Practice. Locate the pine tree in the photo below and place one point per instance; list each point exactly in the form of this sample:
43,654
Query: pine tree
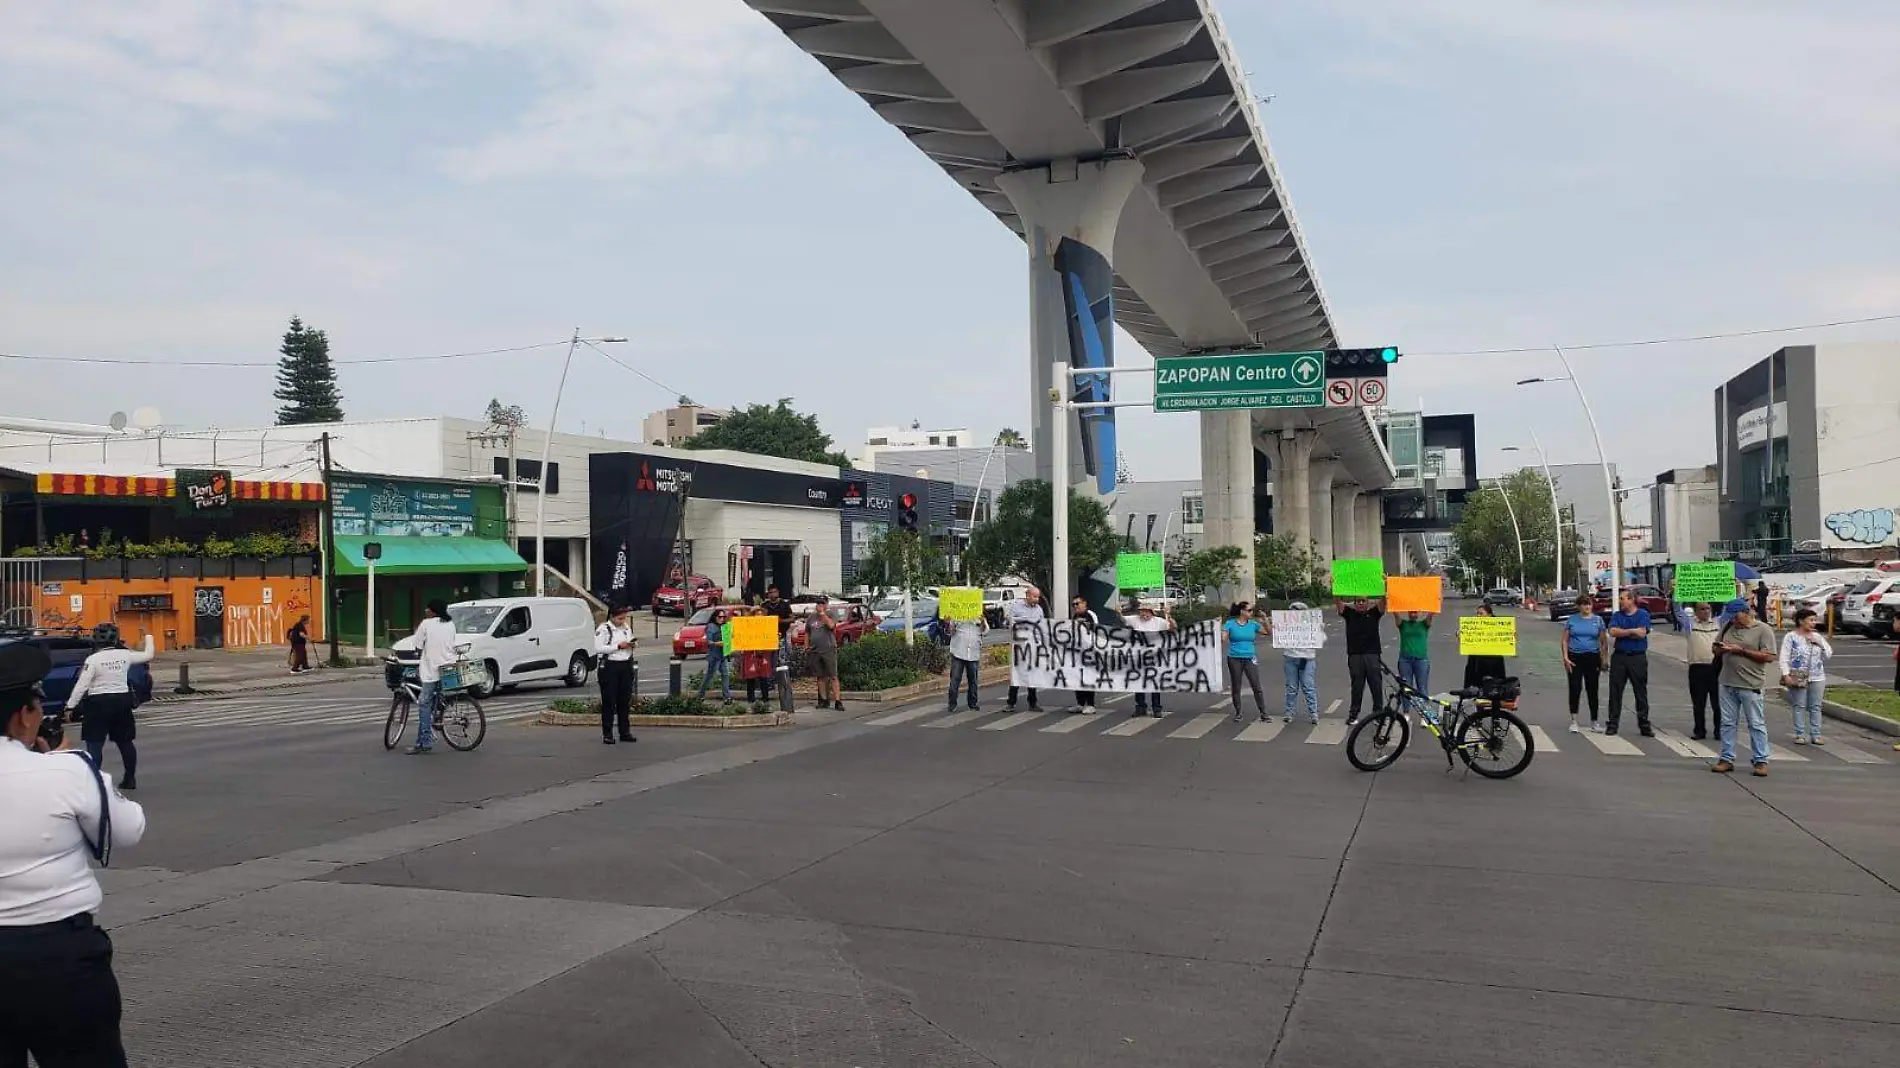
306,380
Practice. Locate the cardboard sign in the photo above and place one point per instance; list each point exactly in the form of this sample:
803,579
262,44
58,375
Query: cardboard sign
1299,630
1419,593
1487,635
960,603
754,634
1705,580
1140,571
1075,656
1358,578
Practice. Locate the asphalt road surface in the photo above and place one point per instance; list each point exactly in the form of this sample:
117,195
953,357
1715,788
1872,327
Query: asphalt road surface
906,887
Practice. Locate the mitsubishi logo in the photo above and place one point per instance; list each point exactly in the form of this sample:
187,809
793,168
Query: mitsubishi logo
645,482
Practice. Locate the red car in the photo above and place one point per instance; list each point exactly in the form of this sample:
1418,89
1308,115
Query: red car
699,592
1647,596
690,639
853,621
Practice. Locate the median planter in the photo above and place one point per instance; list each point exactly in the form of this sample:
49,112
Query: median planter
989,675
667,712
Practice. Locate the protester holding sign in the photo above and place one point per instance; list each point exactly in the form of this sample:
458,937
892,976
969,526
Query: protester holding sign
1299,655
1147,622
1072,655
1242,630
1415,652
1365,657
966,657
1028,610
1084,699
1480,667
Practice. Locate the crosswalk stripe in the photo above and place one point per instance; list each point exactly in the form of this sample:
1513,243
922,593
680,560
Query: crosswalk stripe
1072,722
1776,752
1681,746
1265,730
957,720
1130,727
1613,745
1198,726
1333,707
1542,739
1012,721
1850,754
1327,732
901,717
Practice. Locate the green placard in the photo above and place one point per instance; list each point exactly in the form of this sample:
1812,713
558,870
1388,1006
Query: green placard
1140,571
1705,580
1359,578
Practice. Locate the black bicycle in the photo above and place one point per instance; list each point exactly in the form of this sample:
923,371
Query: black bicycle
1480,728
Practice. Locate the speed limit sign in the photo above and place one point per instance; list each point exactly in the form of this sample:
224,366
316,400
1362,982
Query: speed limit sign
1372,392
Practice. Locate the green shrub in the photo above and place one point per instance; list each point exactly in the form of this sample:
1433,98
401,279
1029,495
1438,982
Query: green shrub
576,706
883,662
997,655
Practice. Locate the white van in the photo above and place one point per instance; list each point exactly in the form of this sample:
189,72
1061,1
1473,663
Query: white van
523,639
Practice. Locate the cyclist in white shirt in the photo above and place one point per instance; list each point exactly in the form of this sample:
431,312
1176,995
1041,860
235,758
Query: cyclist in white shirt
435,653
105,687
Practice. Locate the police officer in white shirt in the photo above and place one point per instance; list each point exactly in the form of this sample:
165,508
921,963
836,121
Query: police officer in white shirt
105,687
613,644
59,1001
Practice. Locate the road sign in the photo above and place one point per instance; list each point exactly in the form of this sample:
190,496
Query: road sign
1241,380
1342,392
1371,392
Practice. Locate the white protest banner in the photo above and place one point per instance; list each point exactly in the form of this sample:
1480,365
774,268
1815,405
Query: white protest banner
1299,630
1067,655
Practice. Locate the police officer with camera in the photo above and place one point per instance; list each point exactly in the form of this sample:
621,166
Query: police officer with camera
58,811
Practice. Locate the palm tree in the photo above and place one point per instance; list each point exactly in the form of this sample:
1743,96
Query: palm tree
1009,438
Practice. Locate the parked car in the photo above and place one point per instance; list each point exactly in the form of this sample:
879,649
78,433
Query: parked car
1880,623
853,621
690,639
1563,603
69,652
1823,601
1647,597
1162,599
522,639
1857,608
1504,595
684,599
923,613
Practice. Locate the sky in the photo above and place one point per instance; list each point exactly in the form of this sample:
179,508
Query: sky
435,176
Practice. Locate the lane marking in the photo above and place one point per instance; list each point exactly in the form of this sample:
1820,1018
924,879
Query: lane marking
901,717
1131,726
1544,742
957,720
1012,721
1776,752
1332,708
1850,754
1612,744
1327,732
1071,721
1199,725
1681,746
1261,731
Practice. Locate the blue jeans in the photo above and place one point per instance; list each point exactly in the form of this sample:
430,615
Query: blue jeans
425,714
721,665
1302,677
959,671
1735,704
1806,703
1416,672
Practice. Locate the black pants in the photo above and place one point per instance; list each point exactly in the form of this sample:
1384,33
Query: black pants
1583,678
616,697
300,656
1632,670
109,717
1011,699
1085,698
1702,694
62,1002
1366,674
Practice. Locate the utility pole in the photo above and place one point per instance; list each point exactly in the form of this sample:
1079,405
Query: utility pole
505,434
328,541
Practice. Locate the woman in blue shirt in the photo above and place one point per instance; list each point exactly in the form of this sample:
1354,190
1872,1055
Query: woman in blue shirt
1242,629
1585,635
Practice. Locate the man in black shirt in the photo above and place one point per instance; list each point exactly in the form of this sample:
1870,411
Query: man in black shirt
775,605
1364,659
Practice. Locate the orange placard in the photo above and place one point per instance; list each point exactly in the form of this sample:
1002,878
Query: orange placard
1417,593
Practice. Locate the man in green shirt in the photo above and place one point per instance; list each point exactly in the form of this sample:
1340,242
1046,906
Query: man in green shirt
1415,663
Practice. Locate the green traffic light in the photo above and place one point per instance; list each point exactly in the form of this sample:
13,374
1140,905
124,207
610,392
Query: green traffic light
1389,354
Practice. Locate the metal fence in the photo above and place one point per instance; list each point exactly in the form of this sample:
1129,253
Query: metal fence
19,593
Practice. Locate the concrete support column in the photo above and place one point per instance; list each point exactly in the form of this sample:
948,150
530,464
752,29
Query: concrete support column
1375,526
1366,543
1070,211
1345,509
1320,507
1227,490
1291,452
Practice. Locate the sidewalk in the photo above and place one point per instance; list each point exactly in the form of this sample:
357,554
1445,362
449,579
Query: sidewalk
225,671
1676,647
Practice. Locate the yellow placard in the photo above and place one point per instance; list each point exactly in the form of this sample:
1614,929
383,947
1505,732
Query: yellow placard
960,603
754,634
1420,593
1487,635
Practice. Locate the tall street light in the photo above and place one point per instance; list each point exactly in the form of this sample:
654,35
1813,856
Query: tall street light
1516,531
1603,461
1556,511
547,446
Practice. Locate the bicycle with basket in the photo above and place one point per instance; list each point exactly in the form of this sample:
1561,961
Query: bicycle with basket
459,718
1482,728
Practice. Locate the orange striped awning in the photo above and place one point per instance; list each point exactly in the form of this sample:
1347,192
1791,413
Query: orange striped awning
124,486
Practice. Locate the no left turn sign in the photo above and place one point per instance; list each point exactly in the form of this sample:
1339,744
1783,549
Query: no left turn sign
1340,393
1372,392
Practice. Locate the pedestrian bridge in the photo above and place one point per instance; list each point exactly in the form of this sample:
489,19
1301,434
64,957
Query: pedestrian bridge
1123,130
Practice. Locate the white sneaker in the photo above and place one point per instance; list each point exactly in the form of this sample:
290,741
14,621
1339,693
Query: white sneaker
1574,729
1595,727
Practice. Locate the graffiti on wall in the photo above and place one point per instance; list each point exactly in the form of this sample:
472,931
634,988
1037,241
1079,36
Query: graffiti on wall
250,625
1865,526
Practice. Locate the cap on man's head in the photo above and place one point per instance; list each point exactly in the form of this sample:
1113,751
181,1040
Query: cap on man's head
22,665
1737,607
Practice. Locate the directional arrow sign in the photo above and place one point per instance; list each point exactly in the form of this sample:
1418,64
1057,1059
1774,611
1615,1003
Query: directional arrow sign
1240,380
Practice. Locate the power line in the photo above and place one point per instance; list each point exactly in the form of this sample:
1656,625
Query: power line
119,361
611,358
1665,340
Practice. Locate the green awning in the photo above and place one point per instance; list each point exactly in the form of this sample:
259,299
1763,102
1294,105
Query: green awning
415,555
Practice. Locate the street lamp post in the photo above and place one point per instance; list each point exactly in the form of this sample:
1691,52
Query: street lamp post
1516,531
1603,461
547,447
1556,510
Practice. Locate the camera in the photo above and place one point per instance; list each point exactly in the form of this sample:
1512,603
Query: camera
53,729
